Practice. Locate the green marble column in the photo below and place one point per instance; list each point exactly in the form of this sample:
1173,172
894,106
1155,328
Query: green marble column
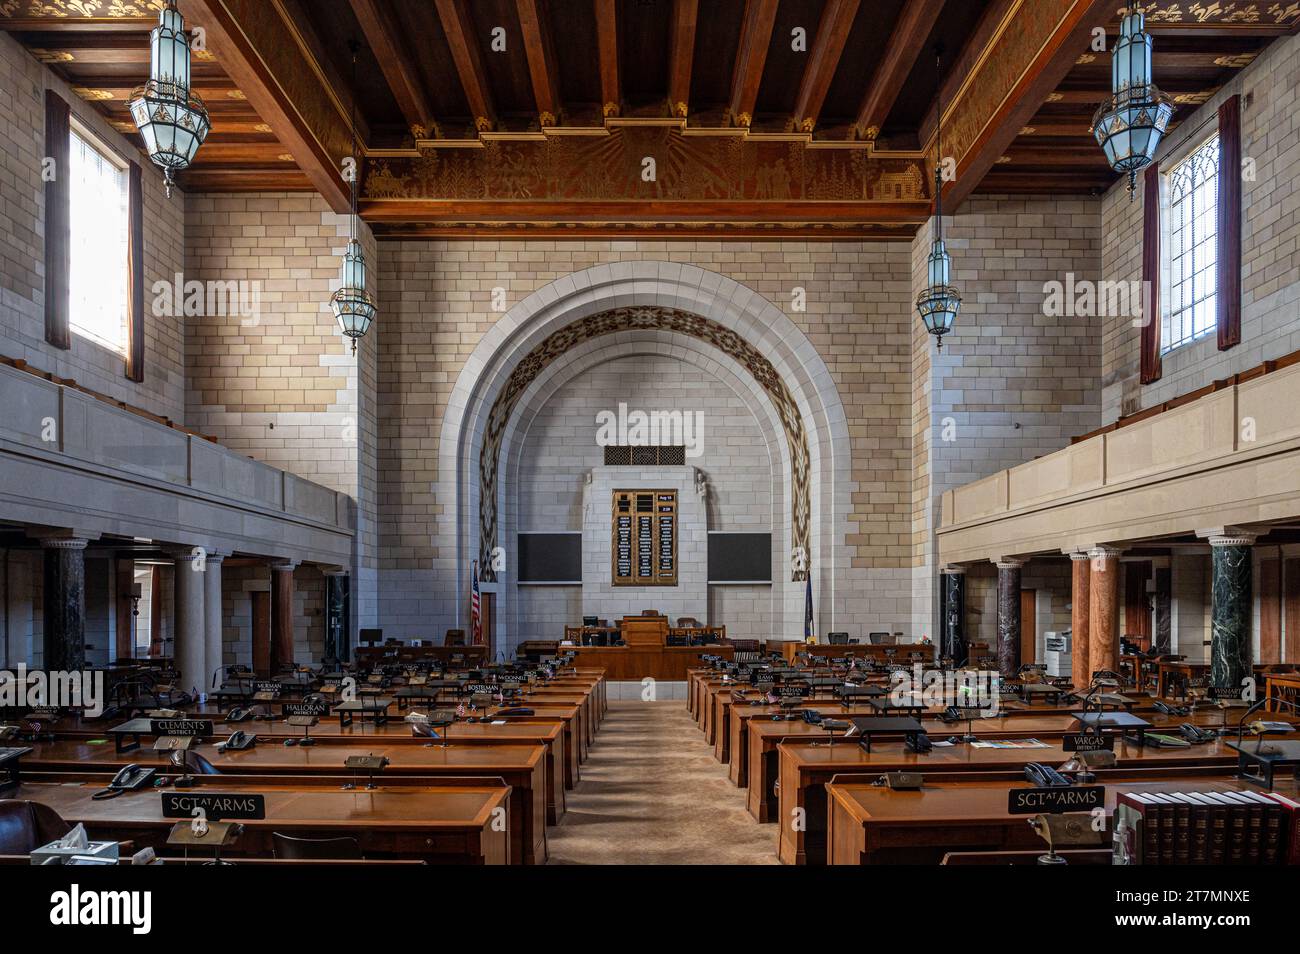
65,603
1230,639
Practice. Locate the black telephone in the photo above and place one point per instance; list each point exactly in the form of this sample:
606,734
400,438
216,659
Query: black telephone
918,742
812,716
518,711
239,714
1166,709
129,779
1194,733
238,741
950,715
1044,776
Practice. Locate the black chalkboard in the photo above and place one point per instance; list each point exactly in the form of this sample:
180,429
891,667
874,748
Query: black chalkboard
550,558
740,557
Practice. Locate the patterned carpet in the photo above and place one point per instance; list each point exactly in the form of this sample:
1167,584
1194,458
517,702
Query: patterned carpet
652,793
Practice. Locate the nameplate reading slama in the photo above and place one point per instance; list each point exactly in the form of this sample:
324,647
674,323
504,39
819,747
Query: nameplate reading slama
1055,801
214,805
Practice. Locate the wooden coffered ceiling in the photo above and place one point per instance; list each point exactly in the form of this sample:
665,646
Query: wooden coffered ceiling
761,118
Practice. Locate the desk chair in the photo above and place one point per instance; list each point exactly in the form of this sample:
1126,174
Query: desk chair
838,639
454,637
878,639
370,637
314,849
26,826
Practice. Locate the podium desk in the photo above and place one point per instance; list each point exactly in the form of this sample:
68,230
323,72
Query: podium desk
634,663
437,824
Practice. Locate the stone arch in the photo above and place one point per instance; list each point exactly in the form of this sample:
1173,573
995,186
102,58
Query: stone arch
652,284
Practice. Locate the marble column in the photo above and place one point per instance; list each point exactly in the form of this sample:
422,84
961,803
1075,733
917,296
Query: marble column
213,656
1009,616
1231,641
336,613
189,655
1103,609
1080,654
65,603
282,614
1162,632
952,641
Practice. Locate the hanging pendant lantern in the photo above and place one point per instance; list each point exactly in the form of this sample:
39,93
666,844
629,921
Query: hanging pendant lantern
939,302
1130,125
352,305
353,308
173,121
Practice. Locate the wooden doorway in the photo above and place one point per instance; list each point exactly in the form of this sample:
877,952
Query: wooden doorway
488,609
261,632
1028,626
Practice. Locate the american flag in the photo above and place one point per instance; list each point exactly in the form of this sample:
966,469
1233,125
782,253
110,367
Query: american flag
460,710
475,608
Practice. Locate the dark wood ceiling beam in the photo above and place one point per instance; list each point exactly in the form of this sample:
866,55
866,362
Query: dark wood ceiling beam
681,54
905,45
611,91
824,58
1021,67
385,36
458,25
988,26
246,38
755,37
542,65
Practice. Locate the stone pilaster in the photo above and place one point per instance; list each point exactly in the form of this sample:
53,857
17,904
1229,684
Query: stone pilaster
189,654
213,653
1080,651
1009,616
953,643
1103,609
1231,650
65,603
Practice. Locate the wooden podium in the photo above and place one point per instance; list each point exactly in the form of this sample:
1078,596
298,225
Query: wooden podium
644,630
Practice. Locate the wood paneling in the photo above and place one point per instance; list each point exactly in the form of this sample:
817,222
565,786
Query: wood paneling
58,211
1227,297
1270,610
1028,626
1291,613
1150,346
1137,607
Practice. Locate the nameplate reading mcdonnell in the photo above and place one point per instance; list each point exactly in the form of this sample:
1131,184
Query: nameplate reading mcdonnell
1088,743
196,727
215,806
305,709
1055,801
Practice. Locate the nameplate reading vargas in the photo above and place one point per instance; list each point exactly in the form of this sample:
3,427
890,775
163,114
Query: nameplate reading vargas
1055,801
195,727
214,805
1088,743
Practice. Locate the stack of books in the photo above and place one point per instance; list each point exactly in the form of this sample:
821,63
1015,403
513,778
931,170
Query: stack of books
1207,828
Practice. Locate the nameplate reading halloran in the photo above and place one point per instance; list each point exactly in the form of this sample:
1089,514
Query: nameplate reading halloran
215,806
1088,743
317,709
196,727
1055,801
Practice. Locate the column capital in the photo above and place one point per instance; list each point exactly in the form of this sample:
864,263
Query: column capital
1103,552
1078,556
952,570
1229,536
335,571
64,543
285,564
1009,563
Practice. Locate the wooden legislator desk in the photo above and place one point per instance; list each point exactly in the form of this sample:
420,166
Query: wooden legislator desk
666,663
438,824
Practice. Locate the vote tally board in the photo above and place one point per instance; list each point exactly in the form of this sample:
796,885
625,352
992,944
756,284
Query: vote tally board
645,538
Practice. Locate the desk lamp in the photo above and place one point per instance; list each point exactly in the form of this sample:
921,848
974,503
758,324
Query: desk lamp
832,726
199,833
1064,830
304,722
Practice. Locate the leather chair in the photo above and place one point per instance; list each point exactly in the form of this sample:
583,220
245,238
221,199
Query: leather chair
318,849
26,826
454,637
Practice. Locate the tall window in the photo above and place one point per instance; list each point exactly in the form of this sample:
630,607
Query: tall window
99,242
1193,210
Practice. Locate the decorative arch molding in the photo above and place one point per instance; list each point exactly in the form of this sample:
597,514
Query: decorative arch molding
653,283
646,318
